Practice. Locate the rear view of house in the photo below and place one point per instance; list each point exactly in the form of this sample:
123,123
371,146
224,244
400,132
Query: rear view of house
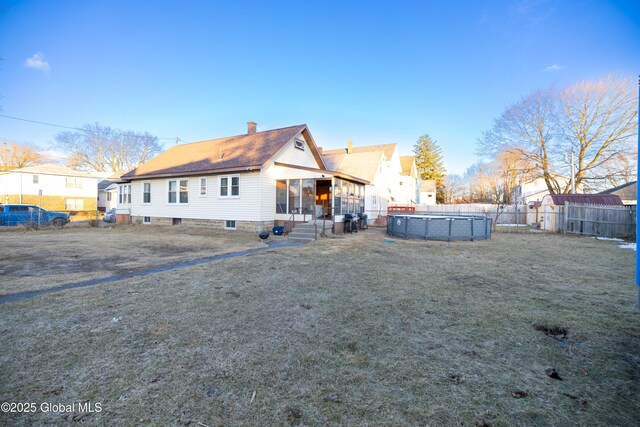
251,181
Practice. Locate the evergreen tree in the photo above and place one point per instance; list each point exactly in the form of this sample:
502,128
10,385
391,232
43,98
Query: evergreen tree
430,163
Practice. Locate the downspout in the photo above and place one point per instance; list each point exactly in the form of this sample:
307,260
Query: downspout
260,197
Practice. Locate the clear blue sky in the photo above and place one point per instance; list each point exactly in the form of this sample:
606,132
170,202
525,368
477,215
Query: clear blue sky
371,72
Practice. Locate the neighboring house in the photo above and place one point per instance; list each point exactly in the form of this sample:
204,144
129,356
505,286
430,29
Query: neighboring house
251,182
408,191
107,194
627,192
534,191
379,165
62,189
427,192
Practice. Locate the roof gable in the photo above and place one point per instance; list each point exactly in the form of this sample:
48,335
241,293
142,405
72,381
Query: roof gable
386,149
362,165
408,164
241,152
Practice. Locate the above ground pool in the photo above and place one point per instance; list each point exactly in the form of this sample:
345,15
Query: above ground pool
439,227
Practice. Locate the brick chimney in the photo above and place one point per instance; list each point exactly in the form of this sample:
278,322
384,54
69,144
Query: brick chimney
251,127
349,147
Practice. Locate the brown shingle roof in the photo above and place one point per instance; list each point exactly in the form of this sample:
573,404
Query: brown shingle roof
626,191
387,149
224,154
362,165
588,199
407,164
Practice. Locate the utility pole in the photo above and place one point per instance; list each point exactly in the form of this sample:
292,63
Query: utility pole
573,174
638,219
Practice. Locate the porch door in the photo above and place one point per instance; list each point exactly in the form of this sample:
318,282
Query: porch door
308,197
323,198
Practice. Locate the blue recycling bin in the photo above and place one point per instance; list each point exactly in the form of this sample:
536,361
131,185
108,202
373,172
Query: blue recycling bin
278,230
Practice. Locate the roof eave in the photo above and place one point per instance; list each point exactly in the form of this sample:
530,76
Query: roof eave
238,169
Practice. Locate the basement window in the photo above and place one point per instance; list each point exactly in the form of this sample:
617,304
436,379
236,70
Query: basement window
146,220
230,224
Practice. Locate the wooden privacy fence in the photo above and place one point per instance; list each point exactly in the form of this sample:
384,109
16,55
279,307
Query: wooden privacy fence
598,220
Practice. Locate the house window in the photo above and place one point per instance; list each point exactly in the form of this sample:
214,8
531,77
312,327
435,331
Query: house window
173,186
35,179
229,186
184,191
74,204
146,220
108,196
337,197
203,186
281,197
73,182
294,196
230,224
298,144
235,185
146,192
124,193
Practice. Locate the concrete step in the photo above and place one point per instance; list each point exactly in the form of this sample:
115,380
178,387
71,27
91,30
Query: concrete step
300,238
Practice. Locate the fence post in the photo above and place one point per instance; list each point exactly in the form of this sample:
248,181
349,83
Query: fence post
450,223
426,228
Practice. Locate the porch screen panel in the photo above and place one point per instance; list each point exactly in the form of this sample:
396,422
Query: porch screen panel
294,195
337,197
281,196
308,197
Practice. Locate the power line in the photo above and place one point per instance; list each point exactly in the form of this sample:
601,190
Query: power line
79,129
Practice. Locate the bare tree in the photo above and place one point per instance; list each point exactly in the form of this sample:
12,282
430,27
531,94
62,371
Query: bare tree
454,188
526,130
104,149
599,123
597,120
15,156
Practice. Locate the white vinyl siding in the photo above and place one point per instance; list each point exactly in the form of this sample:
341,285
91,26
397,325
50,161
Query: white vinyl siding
243,208
51,185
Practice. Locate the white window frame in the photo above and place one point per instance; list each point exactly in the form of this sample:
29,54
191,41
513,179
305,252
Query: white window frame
144,220
169,202
228,187
144,192
124,194
226,224
299,144
177,181
205,187
36,179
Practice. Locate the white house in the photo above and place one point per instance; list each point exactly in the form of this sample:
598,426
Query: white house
50,186
428,192
107,194
379,165
408,191
251,181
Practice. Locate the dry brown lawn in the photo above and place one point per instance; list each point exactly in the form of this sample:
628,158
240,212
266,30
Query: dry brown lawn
346,331
39,259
